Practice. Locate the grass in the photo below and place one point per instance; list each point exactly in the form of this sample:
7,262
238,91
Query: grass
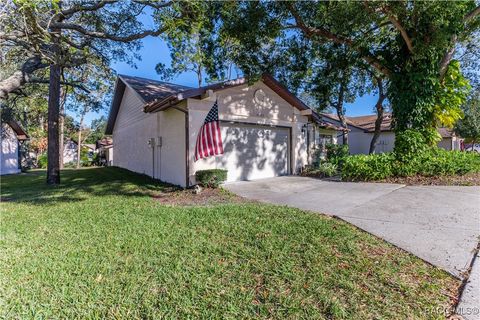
100,246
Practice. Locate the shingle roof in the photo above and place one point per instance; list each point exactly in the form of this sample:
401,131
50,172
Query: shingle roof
151,90
21,134
367,123
446,133
159,95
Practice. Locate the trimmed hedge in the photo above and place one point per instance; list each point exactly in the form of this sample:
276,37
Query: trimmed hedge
211,178
433,162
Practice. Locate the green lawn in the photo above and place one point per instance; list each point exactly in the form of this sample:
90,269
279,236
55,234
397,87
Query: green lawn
100,246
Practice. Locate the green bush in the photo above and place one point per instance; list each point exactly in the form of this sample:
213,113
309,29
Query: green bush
430,162
337,153
368,167
442,162
211,178
42,161
322,170
409,144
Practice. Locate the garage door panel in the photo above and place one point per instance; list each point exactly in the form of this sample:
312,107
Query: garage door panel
254,152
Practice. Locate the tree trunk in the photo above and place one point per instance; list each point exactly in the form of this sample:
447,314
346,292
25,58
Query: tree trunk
62,131
53,167
199,75
378,122
79,142
341,113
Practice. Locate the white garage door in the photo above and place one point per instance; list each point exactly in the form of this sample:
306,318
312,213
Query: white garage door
254,152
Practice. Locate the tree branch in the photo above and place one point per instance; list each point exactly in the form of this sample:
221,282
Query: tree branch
472,14
107,36
448,56
65,83
20,77
312,31
69,12
399,27
154,4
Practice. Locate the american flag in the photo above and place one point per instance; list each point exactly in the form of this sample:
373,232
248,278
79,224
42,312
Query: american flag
209,138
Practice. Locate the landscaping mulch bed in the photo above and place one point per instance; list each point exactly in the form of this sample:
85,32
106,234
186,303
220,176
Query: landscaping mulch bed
206,197
469,179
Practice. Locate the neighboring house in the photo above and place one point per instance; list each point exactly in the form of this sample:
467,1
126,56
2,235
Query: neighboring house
450,141
264,127
11,136
70,151
361,130
105,149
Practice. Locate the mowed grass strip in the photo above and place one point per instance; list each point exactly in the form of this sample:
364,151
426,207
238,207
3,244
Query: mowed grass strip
100,246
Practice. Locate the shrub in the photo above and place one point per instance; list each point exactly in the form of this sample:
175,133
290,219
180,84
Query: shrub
211,178
409,144
323,170
336,153
42,161
368,167
442,162
430,162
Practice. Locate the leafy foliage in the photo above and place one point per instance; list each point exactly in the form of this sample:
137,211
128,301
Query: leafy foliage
336,153
211,178
431,162
469,126
368,167
323,169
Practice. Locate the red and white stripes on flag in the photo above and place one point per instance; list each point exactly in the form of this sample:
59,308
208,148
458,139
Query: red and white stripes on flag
209,138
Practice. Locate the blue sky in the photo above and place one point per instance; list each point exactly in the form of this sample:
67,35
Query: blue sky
155,50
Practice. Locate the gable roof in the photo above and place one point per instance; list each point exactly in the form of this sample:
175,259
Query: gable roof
267,79
152,90
159,95
21,134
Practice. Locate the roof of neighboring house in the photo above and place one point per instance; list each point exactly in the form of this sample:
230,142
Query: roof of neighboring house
367,123
90,146
21,134
159,95
446,133
323,124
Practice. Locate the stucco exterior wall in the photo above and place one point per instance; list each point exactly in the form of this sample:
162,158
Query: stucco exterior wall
133,128
170,156
9,154
239,104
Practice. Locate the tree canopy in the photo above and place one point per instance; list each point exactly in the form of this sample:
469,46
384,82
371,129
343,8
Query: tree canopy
410,44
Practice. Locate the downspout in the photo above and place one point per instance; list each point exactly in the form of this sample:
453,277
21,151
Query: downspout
187,153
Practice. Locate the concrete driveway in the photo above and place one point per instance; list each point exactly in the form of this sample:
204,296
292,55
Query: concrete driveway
438,224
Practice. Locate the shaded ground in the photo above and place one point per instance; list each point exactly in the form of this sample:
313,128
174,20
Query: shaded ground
99,246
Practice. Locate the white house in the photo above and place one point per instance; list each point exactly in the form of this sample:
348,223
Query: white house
265,128
11,136
361,131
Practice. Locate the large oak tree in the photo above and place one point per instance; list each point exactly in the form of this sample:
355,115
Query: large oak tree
64,35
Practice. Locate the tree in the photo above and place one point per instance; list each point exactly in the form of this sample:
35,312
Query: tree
195,46
469,126
97,130
410,44
62,35
379,109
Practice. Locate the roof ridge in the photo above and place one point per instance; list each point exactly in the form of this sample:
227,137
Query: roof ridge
158,81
